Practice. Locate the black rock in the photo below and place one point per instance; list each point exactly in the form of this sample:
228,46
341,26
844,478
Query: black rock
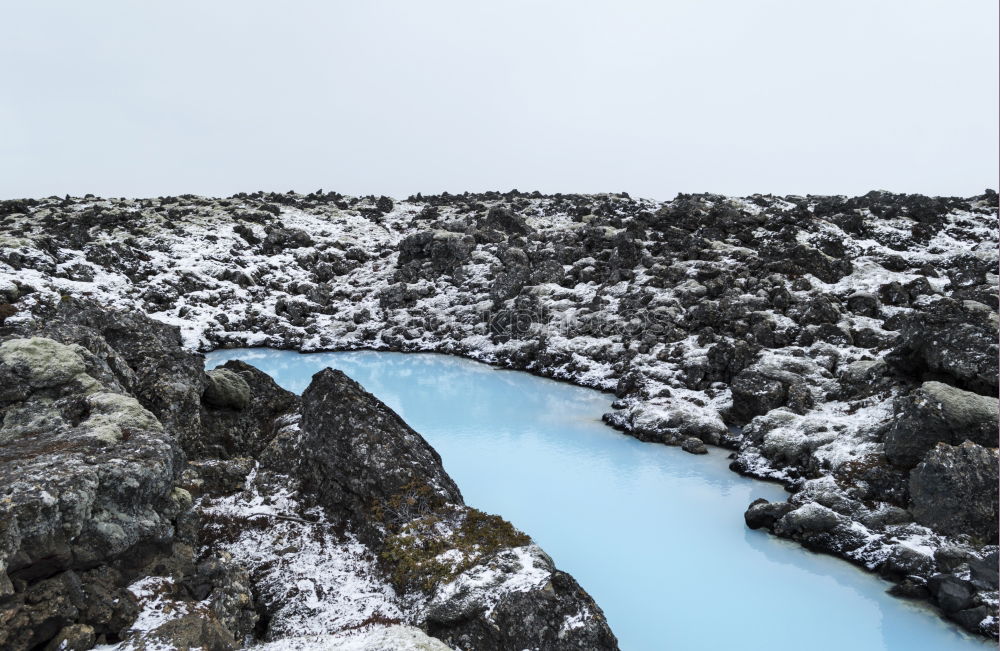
954,491
362,453
938,413
950,592
950,340
762,513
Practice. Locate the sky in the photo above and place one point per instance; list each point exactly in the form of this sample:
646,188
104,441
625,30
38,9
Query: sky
649,97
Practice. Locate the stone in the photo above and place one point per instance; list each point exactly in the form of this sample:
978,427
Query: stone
226,389
763,514
76,637
504,219
240,410
694,445
759,389
952,341
362,453
950,592
939,413
954,491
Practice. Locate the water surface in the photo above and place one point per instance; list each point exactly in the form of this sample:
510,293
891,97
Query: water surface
654,534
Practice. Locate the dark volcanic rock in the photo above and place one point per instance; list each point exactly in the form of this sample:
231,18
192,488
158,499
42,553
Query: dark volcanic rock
504,219
951,340
762,513
152,366
438,251
536,619
364,463
937,413
954,490
679,305
759,389
226,389
239,415
361,453
279,239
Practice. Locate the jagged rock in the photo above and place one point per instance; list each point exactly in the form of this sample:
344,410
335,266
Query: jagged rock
954,490
694,446
240,431
154,368
441,251
904,561
864,378
279,239
863,303
951,340
517,600
65,448
216,476
759,389
937,413
504,219
950,592
361,454
984,571
76,637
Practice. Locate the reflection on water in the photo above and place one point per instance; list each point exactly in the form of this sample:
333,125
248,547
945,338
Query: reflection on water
654,534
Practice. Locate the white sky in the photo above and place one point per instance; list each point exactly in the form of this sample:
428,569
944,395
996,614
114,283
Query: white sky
650,97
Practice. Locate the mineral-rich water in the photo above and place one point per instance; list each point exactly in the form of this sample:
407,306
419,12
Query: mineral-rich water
654,534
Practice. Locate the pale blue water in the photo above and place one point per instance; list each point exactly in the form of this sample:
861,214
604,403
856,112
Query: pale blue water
654,534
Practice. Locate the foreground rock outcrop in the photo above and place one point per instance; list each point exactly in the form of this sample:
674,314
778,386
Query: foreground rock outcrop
148,504
833,344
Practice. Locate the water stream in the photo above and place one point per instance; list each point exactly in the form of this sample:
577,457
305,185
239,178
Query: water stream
654,534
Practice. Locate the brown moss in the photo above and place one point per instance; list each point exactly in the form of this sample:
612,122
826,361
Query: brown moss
415,499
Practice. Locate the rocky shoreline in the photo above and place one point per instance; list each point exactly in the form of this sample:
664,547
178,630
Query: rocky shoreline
149,504
846,347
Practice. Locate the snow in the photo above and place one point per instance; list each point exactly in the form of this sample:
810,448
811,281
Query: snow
315,580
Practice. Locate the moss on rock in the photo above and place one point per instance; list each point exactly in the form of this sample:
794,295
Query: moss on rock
436,548
114,417
226,389
42,362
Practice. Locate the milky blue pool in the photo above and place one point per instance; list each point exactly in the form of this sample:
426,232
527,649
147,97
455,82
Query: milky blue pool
654,534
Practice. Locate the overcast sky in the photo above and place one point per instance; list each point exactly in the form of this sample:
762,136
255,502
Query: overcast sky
649,97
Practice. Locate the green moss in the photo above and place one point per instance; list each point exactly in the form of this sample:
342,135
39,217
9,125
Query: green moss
41,361
416,556
113,417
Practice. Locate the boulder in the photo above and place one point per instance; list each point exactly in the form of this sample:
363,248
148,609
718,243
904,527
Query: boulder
439,251
516,599
863,304
152,366
502,218
279,239
759,389
240,409
362,454
953,341
762,513
954,491
951,592
226,389
939,413
863,378
694,445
